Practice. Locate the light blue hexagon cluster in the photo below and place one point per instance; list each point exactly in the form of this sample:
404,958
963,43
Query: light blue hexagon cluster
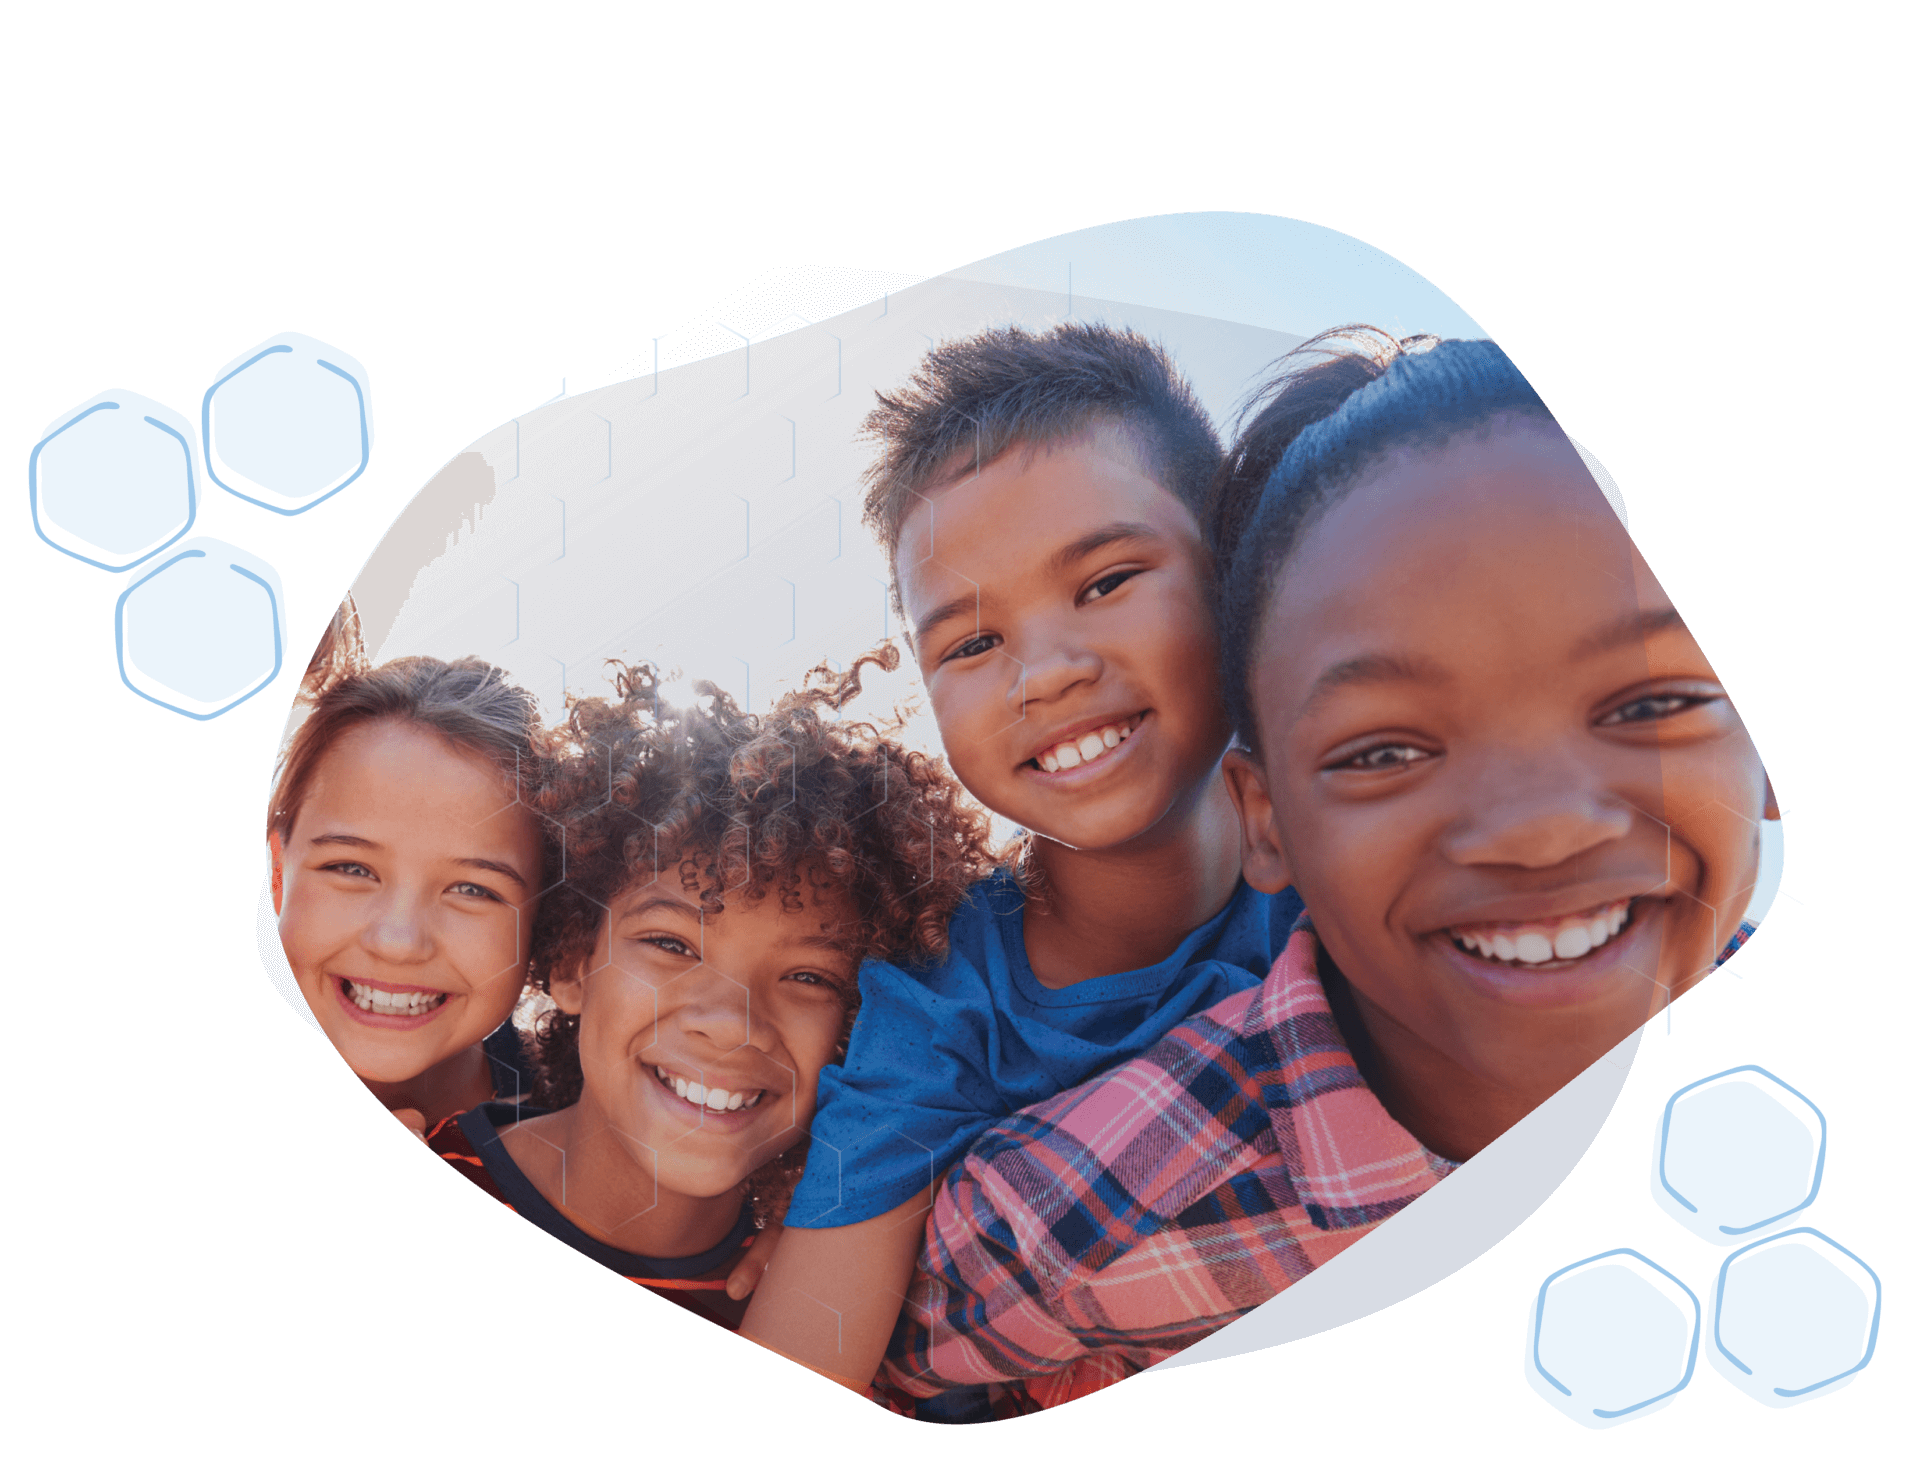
1795,1314
116,483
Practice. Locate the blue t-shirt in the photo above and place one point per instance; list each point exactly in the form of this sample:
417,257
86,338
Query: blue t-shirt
940,1051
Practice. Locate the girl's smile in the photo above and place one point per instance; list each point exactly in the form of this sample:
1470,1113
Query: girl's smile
405,892
1519,807
725,1109
701,1038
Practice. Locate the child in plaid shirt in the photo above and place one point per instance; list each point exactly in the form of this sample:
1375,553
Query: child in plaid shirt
1521,811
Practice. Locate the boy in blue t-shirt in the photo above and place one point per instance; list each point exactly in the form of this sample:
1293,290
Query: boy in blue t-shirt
1042,499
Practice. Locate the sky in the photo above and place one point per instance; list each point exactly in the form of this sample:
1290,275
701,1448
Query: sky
1269,271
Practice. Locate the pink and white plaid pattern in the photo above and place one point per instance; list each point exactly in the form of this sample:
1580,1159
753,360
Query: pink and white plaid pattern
1091,1235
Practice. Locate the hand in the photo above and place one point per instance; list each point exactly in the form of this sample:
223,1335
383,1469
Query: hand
746,1273
415,1120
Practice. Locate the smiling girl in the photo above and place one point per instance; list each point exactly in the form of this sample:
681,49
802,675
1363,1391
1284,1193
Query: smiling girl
725,874
1478,738
405,870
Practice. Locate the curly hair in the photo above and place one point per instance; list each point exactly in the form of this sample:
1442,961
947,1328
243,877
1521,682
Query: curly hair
755,804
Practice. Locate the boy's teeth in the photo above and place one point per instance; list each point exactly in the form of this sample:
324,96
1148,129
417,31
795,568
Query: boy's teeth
386,1002
1078,750
713,1099
1542,942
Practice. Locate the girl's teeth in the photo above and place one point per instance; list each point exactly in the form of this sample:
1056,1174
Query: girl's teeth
714,1099
1571,942
1533,948
1548,941
387,1002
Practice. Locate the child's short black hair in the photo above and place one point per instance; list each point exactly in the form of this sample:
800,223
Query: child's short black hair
971,400
1335,407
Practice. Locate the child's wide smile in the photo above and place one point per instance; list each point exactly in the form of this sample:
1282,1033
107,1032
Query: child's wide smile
405,895
1058,602
1075,748
702,1035
1513,794
386,1006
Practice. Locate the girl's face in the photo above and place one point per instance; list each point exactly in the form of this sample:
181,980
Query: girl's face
405,896
1507,783
702,1034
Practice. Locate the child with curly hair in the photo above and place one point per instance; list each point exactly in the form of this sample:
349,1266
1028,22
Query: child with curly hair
725,875
406,870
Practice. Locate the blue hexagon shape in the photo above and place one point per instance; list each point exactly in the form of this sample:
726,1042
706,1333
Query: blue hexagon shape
1794,1314
200,630
112,480
288,424
1738,1151
1613,1335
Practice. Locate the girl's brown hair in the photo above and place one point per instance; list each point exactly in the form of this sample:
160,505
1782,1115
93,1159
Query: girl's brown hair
757,804
469,703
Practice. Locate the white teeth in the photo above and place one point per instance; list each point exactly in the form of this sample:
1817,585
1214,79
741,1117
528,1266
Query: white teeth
1571,942
713,1099
387,1002
1533,948
1538,944
1083,749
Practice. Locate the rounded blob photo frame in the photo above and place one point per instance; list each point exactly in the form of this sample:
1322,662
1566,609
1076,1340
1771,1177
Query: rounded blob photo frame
985,831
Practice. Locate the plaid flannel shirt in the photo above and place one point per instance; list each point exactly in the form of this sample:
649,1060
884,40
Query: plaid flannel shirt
1091,1235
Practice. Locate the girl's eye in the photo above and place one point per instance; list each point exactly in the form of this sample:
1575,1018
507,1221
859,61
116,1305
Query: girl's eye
350,868
1101,586
814,980
474,891
667,945
1382,759
977,645
1651,708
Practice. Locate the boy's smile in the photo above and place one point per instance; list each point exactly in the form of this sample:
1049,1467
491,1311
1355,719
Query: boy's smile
702,1036
406,896
1519,806
1059,607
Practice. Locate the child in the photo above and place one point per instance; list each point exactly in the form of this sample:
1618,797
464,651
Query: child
1040,498
1522,814
724,875
405,871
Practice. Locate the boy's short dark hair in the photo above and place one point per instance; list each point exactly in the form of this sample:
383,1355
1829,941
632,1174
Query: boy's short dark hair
971,400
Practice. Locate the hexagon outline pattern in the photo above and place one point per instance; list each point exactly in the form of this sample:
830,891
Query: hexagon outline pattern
120,638
1540,1314
1719,1297
33,490
1819,1162
206,432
